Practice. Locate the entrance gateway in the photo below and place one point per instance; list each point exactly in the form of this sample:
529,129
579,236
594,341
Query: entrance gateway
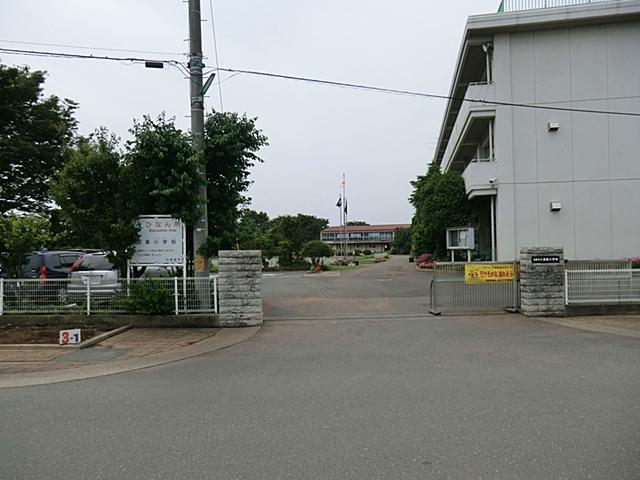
474,287
535,285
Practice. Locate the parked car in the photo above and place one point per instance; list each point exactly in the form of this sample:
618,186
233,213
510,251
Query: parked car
51,268
96,271
45,264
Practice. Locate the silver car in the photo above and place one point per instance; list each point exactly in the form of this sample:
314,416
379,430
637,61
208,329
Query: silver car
93,273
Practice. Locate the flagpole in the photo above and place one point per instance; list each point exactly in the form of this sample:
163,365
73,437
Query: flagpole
344,215
341,249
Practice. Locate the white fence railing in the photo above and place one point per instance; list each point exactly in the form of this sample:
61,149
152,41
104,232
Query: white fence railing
602,286
86,295
519,5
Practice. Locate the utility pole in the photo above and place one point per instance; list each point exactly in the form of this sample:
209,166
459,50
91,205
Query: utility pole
201,227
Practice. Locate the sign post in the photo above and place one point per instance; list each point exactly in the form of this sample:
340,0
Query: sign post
162,243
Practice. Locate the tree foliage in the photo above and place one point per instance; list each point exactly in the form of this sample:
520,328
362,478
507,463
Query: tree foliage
440,202
231,145
316,250
290,233
356,223
101,191
93,192
20,235
254,232
401,244
162,170
35,133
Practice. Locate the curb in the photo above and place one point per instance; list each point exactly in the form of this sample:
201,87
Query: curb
98,338
54,346
224,339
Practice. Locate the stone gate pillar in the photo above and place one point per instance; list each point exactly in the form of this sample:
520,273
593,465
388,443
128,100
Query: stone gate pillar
542,281
240,288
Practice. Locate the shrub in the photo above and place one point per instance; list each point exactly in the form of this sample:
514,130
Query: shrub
366,251
149,297
425,260
635,262
425,257
316,250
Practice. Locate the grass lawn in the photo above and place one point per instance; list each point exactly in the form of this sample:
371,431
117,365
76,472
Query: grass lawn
362,262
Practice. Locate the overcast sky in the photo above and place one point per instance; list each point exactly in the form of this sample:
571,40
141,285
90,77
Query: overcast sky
316,133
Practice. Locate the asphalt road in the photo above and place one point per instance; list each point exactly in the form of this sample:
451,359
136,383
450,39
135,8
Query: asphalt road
390,288
494,397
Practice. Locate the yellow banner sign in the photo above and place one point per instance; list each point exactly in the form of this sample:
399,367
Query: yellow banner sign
483,273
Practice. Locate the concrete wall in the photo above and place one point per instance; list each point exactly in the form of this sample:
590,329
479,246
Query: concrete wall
240,288
591,165
542,284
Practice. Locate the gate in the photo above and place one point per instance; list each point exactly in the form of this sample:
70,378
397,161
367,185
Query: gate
487,287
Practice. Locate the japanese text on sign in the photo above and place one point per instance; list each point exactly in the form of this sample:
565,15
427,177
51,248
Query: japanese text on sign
160,242
501,272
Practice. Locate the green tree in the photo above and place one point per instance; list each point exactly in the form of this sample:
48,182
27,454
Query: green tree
94,192
440,201
162,170
20,235
401,244
316,250
254,232
357,223
231,145
290,233
35,133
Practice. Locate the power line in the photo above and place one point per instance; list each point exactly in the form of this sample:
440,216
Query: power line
80,56
331,83
124,50
215,49
394,91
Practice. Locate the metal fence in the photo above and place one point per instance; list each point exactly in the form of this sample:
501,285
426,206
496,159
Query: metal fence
143,296
622,264
602,286
519,5
450,293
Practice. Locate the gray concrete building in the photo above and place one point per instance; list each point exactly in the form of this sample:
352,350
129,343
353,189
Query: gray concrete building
544,176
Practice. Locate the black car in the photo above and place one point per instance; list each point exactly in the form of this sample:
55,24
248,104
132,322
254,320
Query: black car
51,268
43,282
46,264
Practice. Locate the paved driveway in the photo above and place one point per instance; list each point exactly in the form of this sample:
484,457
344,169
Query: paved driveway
389,288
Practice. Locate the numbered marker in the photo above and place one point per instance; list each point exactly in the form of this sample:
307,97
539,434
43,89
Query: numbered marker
69,337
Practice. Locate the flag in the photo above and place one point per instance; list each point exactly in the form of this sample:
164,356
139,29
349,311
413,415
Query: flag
345,205
339,203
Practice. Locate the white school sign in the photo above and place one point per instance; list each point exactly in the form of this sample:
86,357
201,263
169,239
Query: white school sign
162,241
